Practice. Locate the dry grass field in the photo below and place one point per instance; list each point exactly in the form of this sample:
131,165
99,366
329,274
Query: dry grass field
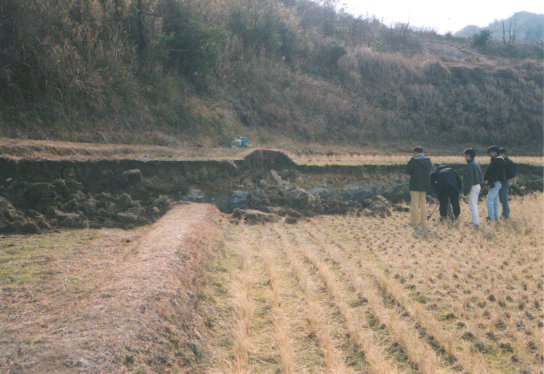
105,301
341,294
381,158
317,155
335,294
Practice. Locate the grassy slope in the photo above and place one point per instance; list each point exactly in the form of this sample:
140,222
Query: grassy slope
288,72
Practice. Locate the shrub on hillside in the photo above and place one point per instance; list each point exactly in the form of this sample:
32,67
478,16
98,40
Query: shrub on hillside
265,31
481,38
192,47
331,54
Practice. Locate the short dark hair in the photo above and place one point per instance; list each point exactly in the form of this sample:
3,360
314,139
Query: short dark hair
418,150
493,148
502,150
471,152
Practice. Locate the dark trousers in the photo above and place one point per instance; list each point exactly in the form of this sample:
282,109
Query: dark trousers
449,194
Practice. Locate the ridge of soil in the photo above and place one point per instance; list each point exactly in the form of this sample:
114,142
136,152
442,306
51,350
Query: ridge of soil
132,309
45,149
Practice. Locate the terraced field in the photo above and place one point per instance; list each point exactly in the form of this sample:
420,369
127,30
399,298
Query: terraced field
368,295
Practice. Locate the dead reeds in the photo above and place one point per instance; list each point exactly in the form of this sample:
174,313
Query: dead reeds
475,292
318,323
425,358
243,307
281,328
361,337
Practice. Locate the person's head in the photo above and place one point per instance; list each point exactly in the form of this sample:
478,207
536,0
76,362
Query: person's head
418,150
502,152
493,151
470,154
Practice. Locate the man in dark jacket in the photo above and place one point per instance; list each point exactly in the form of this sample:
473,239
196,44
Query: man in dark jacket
494,177
510,174
447,184
419,168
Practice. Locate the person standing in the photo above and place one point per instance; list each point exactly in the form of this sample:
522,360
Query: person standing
472,181
503,192
447,184
419,168
494,177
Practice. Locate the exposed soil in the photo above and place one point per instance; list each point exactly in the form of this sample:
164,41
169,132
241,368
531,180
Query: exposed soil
40,194
110,301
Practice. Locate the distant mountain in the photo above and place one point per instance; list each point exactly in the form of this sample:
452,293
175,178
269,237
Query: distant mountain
524,27
467,31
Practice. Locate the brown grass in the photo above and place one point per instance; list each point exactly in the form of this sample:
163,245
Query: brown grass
484,306
111,300
353,157
281,328
399,331
319,325
361,337
372,295
244,308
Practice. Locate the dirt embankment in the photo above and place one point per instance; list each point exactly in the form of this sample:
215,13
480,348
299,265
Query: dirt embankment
133,309
40,195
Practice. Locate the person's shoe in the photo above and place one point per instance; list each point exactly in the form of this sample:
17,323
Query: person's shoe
505,217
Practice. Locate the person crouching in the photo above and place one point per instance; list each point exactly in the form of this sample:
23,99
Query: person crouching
447,184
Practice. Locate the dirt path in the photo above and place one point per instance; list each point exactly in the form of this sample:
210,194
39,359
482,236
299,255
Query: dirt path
49,149
132,309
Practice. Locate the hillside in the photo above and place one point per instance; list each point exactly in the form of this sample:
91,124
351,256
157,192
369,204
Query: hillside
176,73
525,27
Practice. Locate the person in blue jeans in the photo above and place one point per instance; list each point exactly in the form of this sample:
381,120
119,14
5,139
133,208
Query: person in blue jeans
495,177
503,192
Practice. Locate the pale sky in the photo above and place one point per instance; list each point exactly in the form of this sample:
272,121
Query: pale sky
443,16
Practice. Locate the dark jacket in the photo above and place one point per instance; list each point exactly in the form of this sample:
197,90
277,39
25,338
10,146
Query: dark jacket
419,168
473,176
510,168
444,177
496,171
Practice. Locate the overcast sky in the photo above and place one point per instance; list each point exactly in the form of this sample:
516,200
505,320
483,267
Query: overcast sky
443,16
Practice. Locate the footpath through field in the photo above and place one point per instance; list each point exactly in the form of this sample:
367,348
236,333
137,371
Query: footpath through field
131,308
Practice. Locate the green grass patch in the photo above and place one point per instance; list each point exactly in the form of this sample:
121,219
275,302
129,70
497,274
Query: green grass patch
26,259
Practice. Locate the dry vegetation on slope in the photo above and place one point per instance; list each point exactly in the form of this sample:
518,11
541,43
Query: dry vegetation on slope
176,72
347,295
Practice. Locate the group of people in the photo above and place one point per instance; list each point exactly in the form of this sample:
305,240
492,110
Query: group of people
448,184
